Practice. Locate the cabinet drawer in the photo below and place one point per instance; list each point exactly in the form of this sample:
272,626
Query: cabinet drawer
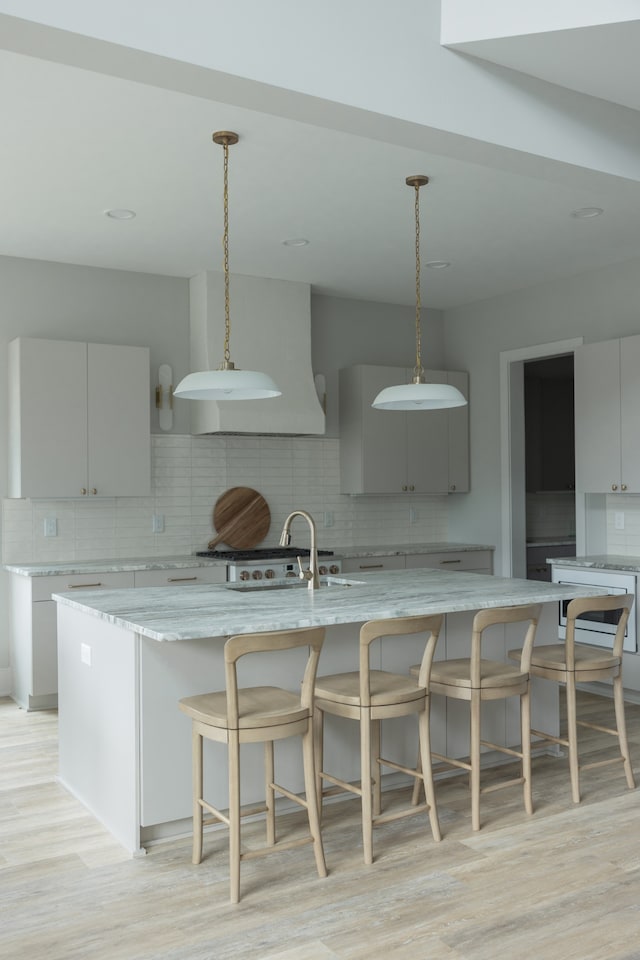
43,587
179,577
473,561
363,564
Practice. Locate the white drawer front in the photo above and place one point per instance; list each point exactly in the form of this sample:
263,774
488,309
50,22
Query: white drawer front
371,564
179,577
43,587
478,561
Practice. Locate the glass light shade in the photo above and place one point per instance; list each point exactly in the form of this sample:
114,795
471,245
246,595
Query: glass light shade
419,396
227,385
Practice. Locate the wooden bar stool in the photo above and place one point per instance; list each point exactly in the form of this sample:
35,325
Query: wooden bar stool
370,696
571,663
256,715
476,680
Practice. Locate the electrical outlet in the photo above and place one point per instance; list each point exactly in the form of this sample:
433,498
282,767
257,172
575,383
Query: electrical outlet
85,654
157,523
413,514
328,518
50,527
618,520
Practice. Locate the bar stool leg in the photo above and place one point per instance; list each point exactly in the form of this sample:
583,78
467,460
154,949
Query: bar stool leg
426,766
310,783
618,699
234,816
474,755
269,792
572,736
365,784
376,746
525,739
196,746
318,751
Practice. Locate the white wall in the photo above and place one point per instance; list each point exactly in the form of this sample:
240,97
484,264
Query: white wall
598,306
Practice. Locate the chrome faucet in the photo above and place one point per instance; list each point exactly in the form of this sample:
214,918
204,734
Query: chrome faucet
310,574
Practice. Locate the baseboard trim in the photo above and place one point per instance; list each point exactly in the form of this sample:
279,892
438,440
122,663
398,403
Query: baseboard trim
606,690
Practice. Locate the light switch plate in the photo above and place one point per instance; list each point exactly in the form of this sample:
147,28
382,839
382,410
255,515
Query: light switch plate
618,520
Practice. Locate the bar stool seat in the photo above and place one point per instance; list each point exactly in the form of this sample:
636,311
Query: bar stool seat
370,696
256,715
570,663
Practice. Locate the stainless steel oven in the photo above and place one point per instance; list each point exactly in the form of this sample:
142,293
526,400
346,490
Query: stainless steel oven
598,628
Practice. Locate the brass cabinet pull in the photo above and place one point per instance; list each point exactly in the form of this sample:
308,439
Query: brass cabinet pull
451,561
614,486
80,586
452,487
623,486
404,487
412,487
371,566
94,491
83,491
180,579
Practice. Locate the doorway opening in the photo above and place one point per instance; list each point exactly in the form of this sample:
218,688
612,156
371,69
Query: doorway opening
513,540
550,515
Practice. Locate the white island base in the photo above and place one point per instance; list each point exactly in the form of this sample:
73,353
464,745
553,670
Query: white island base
125,747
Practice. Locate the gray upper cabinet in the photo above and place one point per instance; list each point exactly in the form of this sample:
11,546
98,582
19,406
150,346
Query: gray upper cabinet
607,404
79,420
388,451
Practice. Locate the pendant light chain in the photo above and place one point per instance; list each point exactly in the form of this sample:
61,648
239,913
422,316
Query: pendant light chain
225,248
418,371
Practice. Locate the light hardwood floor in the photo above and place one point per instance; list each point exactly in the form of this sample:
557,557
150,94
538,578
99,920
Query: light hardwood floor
562,884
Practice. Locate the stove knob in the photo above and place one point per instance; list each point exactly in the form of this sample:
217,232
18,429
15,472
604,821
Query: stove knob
334,568
322,571
244,575
269,574
257,574
291,573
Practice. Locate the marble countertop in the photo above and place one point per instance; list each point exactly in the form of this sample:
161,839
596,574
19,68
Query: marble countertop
51,569
192,612
110,566
402,549
603,561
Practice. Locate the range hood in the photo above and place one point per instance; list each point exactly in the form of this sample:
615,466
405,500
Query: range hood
271,332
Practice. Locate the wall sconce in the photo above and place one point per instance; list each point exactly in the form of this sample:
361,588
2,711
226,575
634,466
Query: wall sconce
164,396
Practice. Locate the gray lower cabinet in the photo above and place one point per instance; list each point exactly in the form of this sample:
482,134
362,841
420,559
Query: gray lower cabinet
471,561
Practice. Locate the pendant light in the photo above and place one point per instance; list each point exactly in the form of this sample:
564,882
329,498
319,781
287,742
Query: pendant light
227,382
418,394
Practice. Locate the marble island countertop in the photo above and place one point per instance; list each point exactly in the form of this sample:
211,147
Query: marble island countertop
604,561
192,612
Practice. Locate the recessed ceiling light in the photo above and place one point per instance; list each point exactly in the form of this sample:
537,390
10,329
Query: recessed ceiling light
120,214
587,213
438,264
296,242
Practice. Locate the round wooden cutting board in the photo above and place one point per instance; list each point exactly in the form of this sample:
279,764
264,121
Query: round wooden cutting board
241,518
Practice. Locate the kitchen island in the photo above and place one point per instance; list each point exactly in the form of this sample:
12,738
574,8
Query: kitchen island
125,658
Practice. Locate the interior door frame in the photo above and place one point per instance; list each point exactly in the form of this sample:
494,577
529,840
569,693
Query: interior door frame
512,477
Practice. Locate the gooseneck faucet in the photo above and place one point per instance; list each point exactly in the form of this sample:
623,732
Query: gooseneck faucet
311,574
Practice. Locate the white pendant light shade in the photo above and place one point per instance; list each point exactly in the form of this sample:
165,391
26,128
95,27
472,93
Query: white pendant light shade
419,396
227,385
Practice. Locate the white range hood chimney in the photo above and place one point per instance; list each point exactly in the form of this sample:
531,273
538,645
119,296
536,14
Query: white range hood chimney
270,332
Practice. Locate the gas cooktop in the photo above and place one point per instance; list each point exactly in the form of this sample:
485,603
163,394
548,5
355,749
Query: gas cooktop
262,553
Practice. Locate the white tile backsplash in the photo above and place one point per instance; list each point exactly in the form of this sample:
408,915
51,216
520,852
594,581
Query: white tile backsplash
189,474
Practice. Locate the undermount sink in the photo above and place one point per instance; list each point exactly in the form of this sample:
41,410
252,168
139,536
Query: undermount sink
291,584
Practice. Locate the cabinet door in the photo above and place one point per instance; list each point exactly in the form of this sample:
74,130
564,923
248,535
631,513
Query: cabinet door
118,421
48,418
630,414
597,412
428,444
458,423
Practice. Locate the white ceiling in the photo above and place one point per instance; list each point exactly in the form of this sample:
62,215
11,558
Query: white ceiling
77,142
